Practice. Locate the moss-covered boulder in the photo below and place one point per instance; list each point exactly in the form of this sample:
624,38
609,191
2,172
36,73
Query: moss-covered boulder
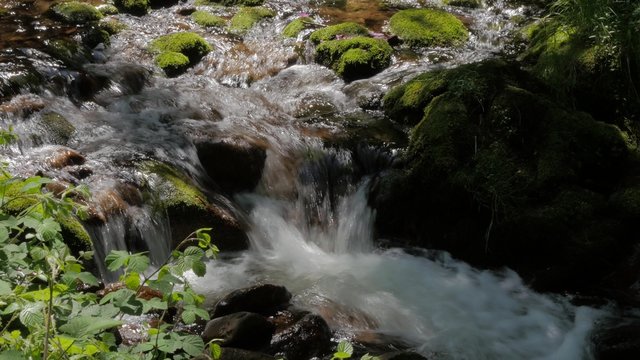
428,27
464,3
334,31
188,208
296,26
174,49
112,26
107,9
207,19
96,35
133,7
230,2
70,52
500,174
355,58
247,17
77,12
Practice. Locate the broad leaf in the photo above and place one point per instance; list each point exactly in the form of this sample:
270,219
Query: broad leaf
31,315
82,326
5,288
192,345
117,259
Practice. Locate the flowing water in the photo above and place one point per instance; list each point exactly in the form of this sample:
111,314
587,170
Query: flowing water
310,226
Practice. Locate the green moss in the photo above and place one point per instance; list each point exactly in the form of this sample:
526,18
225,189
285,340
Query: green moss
247,17
77,12
207,19
188,44
173,188
230,2
68,51
172,63
112,26
107,9
428,27
355,58
96,36
406,103
464,3
296,26
344,29
58,127
133,7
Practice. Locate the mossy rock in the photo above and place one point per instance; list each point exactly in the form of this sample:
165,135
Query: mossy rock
230,2
428,27
355,58
68,51
464,3
247,17
58,127
133,7
112,26
188,208
172,63
189,44
626,202
296,26
207,19
334,31
107,9
76,12
96,35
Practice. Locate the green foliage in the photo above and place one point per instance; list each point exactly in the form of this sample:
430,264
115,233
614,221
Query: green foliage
133,7
344,350
333,31
77,12
247,17
355,58
296,26
428,27
46,316
207,19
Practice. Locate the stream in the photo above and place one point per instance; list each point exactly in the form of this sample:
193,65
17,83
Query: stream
309,223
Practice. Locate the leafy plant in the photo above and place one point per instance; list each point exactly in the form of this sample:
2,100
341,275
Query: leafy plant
345,351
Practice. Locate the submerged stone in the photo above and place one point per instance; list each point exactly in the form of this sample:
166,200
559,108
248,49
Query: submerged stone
59,128
340,30
247,17
355,58
77,12
428,27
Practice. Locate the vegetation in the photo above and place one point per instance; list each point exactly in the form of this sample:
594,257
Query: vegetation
296,26
428,27
174,48
172,63
334,31
47,312
133,7
77,12
207,19
112,26
107,9
355,58
247,17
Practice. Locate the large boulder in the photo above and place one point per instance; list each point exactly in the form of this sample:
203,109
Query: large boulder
355,58
243,330
264,299
309,337
428,27
499,174
77,12
178,51
234,164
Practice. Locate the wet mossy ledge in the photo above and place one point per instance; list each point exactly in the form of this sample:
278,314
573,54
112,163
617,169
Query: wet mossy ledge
76,12
355,58
207,19
248,17
500,174
428,28
178,51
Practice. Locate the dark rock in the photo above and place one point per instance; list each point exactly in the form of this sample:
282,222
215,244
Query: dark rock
308,338
235,165
65,157
401,355
243,330
619,340
240,354
284,319
263,299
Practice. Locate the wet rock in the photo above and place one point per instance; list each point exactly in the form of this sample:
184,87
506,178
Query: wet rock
333,32
309,337
263,299
401,4
80,172
178,51
619,340
63,157
242,330
112,26
239,354
59,129
284,319
355,58
133,7
77,12
464,3
428,27
189,209
401,355
234,164
23,105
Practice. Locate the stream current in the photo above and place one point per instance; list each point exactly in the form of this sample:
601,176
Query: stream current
322,247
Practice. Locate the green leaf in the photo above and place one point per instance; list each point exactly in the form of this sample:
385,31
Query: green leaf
31,315
192,345
82,326
132,281
5,288
11,355
216,351
117,259
153,303
138,263
199,268
37,253
344,350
